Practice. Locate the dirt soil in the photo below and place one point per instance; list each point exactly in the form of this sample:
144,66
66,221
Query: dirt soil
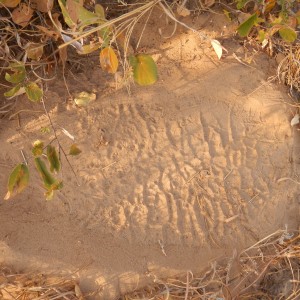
172,177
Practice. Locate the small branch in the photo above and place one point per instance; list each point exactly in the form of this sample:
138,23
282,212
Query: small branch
162,247
24,158
205,37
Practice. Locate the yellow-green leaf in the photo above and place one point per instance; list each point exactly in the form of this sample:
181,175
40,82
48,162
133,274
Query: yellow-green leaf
58,185
65,13
245,28
106,34
18,180
241,3
38,147
45,129
53,159
44,173
49,194
87,17
227,14
288,34
144,69
74,150
89,48
18,74
261,35
33,92
108,60
99,11
12,91
84,98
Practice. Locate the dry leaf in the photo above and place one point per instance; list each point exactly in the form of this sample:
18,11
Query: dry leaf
50,33
42,5
10,3
78,292
72,8
63,55
183,11
68,134
217,47
208,3
34,50
22,14
295,120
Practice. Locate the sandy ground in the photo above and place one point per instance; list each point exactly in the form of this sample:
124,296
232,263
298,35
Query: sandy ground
171,178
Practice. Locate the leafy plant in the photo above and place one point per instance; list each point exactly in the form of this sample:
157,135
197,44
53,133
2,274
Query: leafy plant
62,24
269,17
47,163
22,85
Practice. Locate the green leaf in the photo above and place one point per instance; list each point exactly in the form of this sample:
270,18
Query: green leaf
245,28
45,175
38,147
144,69
53,159
227,14
241,3
288,34
99,11
18,75
67,18
106,34
12,91
33,92
261,36
74,150
87,17
18,180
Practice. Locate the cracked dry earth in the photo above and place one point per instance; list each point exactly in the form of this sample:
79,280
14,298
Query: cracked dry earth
188,167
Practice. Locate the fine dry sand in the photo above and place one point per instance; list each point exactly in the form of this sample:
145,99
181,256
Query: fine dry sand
172,177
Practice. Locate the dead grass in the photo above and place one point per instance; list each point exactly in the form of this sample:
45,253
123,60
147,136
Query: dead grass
270,269
36,287
289,66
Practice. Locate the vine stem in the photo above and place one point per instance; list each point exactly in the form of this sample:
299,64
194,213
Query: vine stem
59,145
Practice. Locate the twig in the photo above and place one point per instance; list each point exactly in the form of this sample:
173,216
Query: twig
24,158
287,178
24,110
227,174
187,286
202,35
108,165
162,247
241,62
